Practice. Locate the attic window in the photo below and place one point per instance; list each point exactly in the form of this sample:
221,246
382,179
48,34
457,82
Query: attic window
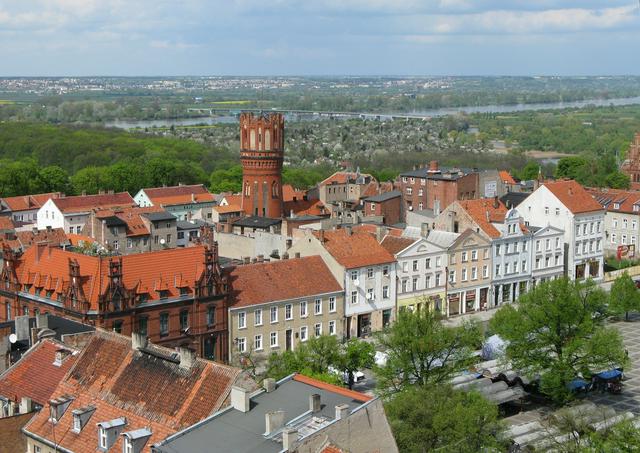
81,416
616,205
61,355
58,407
134,441
636,208
108,432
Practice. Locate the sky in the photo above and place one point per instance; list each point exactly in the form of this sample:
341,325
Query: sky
319,37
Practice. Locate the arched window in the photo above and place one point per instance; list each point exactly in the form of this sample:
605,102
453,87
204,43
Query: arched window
252,141
247,189
274,189
267,140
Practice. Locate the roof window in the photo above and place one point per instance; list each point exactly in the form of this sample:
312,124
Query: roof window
134,441
108,432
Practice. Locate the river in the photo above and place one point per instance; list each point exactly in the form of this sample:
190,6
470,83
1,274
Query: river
210,120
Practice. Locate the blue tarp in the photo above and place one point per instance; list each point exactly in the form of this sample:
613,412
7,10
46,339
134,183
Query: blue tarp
611,374
577,384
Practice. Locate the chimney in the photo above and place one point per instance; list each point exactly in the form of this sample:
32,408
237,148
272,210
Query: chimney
138,341
42,320
285,256
193,198
348,230
274,420
314,403
39,250
110,192
34,230
240,399
187,357
424,230
22,327
297,255
26,405
381,232
289,243
342,411
84,193
269,385
49,228
13,408
433,166
289,439
496,204
260,258
436,207
246,260
322,236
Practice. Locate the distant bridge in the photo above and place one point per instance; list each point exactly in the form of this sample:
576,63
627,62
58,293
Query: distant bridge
312,113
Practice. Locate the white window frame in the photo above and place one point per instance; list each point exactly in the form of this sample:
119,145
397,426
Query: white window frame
257,317
288,312
242,320
304,310
304,333
332,304
273,340
271,313
317,303
257,342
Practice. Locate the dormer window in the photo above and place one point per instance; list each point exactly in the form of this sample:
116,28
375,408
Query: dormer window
616,205
134,441
108,433
61,356
636,208
58,407
81,416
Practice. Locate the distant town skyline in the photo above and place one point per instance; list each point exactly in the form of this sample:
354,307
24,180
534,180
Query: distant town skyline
325,37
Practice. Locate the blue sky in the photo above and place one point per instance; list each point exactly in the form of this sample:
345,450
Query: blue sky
264,37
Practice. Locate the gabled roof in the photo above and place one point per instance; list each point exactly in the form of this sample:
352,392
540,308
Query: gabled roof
6,223
53,236
484,212
355,249
614,200
342,177
35,376
147,387
48,268
573,196
29,202
395,244
174,195
83,203
466,234
305,207
506,177
289,193
280,280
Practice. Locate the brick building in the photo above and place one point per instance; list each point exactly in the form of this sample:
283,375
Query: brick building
387,205
436,188
631,166
261,155
177,297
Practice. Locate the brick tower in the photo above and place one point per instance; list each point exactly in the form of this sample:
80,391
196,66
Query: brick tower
631,166
261,155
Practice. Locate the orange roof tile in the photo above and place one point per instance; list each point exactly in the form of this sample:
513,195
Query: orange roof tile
280,280
289,193
506,177
83,203
573,196
373,229
54,236
132,216
149,389
610,198
34,375
75,239
484,212
361,397
356,249
29,202
6,223
141,271
174,195
395,244
228,208
305,207
341,177
231,200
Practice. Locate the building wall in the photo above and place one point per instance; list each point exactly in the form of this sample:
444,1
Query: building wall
412,264
50,216
547,264
414,192
389,210
543,208
620,228
282,324
458,285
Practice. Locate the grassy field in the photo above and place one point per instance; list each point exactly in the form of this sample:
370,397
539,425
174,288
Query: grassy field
6,102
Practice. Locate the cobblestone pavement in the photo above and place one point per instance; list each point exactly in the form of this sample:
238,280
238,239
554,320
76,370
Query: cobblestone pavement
629,399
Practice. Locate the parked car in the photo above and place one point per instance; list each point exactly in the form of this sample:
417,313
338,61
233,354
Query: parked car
358,376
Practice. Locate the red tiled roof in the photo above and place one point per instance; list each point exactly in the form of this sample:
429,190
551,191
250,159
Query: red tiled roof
75,239
608,198
341,177
142,272
54,237
356,249
506,177
196,193
132,217
6,223
34,375
373,229
148,389
232,200
305,207
361,397
228,208
280,280
395,244
29,202
289,193
573,196
83,203
484,212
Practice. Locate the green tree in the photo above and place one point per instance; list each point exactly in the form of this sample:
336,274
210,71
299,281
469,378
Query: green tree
54,179
622,437
90,180
422,351
353,356
439,418
226,180
557,332
617,180
624,297
529,171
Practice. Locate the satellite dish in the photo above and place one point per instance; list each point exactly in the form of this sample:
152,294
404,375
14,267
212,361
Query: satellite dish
13,338
162,241
356,282
369,296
